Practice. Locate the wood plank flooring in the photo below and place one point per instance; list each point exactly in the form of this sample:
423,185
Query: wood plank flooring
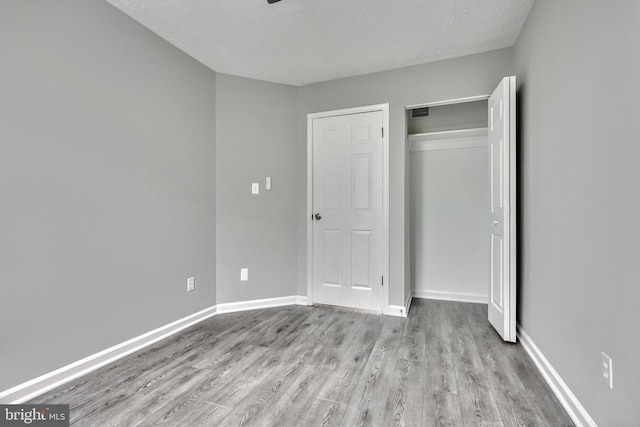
322,366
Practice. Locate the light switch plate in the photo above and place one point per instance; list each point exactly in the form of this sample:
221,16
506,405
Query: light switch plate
191,284
244,274
255,188
267,184
607,369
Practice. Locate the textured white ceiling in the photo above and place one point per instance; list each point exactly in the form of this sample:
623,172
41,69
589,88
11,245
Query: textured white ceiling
304,41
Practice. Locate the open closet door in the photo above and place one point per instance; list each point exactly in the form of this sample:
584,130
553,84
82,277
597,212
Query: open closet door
502,168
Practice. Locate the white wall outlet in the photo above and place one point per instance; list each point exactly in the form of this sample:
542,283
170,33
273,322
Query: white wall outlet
244,274
267,183
607,369
255,188
191,284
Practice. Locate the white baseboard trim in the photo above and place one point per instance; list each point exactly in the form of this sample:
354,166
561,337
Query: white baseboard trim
399,310
37,386
395,310
569,401
451,296
231,307
40,385
407,304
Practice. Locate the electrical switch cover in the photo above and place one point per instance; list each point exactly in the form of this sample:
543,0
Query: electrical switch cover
607,370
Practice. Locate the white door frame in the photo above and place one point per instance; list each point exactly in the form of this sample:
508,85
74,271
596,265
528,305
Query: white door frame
448,102
384,108
510,335
437,104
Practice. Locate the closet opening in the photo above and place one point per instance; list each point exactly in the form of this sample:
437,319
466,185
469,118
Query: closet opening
449,200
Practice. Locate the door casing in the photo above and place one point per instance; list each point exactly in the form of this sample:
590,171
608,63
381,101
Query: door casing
512,254
439,104
384,108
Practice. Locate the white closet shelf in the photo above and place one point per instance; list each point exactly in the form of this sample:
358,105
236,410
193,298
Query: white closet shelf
449,140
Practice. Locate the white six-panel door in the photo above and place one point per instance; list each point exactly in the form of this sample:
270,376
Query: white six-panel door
502,166
347,199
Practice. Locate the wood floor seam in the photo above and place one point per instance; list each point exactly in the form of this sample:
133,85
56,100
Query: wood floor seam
215,404
329,400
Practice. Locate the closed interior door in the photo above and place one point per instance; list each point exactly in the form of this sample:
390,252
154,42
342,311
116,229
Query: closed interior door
347,210
502,166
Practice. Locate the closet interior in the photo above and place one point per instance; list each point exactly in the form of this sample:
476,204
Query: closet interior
449,198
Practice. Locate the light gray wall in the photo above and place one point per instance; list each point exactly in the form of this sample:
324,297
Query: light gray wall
456,78
107,140
449,221
255,138
577,65
465,115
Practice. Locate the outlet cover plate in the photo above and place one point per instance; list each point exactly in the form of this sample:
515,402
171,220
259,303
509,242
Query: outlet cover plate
607,370
244,274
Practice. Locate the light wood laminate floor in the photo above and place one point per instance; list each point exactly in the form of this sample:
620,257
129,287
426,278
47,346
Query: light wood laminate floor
322,366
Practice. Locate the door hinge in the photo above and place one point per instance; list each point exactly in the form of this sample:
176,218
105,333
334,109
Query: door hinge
382,279
383,132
